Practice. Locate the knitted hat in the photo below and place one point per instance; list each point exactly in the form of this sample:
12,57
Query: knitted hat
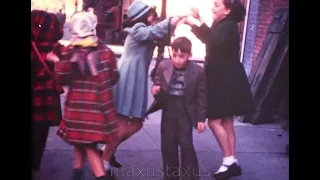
83,24
137,10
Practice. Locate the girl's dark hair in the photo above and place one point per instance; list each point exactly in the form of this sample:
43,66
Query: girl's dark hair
154,12
143,19
237,10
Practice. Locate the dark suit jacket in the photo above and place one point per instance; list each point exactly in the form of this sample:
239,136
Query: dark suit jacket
194,90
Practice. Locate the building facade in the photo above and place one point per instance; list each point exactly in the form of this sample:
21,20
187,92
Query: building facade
259,16
253,29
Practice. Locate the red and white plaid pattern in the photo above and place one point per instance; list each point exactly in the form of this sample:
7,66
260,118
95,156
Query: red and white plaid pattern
45,96
45,27
89,113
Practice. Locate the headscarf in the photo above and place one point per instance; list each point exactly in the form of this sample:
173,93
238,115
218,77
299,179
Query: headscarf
83,27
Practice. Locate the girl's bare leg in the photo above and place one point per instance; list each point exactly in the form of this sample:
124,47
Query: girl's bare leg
79,156
95,161
227,124
221,136
126,128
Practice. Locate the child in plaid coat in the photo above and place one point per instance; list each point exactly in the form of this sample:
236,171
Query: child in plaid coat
46,109
89,69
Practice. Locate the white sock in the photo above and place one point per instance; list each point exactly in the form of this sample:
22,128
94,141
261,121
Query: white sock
106,165
236,160
226,161
103,147
229,160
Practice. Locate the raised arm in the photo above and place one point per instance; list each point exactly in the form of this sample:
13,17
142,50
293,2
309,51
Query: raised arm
63,67
228,32
202,32
200,29
142,32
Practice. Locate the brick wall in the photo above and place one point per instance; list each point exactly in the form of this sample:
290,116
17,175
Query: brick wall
250,35
266,11
260,15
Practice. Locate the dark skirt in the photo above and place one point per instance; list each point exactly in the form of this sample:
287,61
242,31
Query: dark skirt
228,93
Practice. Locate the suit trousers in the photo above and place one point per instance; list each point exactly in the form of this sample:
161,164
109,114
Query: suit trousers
176,130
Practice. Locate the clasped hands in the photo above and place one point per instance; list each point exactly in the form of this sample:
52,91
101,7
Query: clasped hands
191,18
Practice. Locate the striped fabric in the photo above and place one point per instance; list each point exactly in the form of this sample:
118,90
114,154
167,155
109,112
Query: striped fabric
89,113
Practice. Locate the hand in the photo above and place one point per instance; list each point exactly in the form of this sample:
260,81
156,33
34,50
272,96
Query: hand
52,57
201,127
188,21
195,13
155,89
185,14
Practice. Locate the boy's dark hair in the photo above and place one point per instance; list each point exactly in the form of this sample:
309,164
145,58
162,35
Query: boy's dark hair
183,44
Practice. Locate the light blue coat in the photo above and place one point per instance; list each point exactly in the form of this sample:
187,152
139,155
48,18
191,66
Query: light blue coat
130,93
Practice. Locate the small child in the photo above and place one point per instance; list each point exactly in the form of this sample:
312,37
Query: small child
182,84
89,68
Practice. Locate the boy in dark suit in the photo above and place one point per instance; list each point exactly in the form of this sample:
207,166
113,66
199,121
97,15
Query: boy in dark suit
181,85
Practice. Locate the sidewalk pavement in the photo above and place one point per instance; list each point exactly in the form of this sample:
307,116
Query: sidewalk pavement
260,150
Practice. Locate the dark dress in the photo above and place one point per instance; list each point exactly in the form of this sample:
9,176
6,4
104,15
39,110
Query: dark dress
227,84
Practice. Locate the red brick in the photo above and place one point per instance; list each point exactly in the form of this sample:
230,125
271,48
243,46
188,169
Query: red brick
265,15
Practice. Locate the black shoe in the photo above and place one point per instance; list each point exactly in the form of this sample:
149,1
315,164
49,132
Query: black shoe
102,178
110,175
233,170
113,161
77,174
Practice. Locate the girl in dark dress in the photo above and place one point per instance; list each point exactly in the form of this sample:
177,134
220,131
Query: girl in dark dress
227,84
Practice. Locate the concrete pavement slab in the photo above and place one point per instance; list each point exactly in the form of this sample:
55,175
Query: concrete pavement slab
139,141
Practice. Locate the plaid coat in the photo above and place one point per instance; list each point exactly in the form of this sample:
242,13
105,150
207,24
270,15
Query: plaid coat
45,32
89,112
